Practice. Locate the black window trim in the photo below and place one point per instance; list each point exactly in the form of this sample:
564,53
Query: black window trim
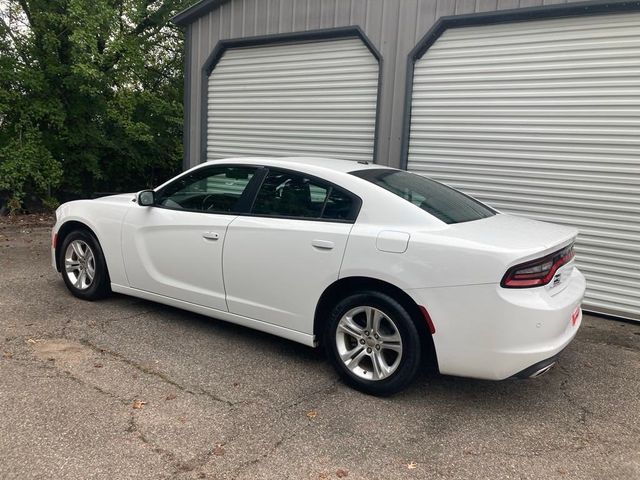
250,194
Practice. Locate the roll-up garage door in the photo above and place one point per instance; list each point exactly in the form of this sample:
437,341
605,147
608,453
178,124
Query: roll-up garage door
311,99
542,118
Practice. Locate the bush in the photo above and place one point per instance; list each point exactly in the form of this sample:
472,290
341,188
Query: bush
90,97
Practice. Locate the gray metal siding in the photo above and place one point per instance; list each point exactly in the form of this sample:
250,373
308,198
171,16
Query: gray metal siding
541,119
393,26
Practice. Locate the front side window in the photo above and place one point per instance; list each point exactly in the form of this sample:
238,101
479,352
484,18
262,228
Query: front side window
209,189
444,203
288,194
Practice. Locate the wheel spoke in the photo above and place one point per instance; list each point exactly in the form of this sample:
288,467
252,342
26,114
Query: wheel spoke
370,313
379,368
355,361
91,270
375,320
395,346
79,280
351,328
77,250
393,338
71,266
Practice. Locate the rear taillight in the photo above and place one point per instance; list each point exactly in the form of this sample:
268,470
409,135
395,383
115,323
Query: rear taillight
537,272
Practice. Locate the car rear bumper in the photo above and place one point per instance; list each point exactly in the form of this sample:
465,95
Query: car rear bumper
489,332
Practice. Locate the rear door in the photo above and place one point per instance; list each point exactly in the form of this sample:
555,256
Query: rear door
174,248
280,258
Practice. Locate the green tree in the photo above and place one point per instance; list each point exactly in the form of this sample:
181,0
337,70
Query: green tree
90,96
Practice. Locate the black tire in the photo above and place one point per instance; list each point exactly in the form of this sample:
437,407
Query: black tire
100,284
411,346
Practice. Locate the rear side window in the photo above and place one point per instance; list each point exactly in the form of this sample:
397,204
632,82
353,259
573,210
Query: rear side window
292,195
444,203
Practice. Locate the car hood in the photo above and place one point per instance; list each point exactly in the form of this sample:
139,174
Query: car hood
119,198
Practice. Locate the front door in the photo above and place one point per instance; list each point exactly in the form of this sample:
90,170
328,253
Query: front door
174,248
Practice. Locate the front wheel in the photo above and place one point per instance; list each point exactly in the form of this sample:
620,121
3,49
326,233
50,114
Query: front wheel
373,343
84,269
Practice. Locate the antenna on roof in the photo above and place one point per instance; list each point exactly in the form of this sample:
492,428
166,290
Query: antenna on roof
363,162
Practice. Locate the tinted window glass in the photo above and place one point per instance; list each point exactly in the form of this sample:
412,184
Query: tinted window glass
339,206
288,194
215,189
444,203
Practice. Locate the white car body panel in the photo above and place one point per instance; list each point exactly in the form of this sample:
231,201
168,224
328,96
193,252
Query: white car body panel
266,273
304,338
275,269
176,254
472,338
104,217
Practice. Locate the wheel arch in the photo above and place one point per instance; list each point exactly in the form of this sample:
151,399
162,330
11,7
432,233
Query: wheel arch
65,229
346,286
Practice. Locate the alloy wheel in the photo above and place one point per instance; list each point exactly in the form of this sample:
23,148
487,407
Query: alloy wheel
80,264
369,343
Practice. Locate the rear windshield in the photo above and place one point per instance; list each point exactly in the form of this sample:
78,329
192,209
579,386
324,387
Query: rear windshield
444,203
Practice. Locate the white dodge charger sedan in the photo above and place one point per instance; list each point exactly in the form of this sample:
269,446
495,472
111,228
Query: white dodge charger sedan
390,271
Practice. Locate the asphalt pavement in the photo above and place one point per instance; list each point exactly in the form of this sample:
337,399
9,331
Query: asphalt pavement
124,388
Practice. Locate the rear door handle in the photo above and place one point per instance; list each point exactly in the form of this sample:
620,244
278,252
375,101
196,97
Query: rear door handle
323,244
211,235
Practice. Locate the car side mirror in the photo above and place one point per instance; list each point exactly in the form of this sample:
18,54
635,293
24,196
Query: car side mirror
146,198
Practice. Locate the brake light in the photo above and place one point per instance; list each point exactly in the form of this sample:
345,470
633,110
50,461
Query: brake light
54,240
537,272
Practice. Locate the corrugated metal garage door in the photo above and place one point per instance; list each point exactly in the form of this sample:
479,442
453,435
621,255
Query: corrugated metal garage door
542,119
316,98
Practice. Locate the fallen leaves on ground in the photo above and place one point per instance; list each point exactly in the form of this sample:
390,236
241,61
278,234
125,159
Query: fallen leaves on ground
32,340
341,473
171,396
7,354
312,414
412,465
98,365
138,404
218,450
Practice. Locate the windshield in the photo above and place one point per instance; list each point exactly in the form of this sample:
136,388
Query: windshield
444,203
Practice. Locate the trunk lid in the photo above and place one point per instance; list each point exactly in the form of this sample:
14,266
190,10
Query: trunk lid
512,233
483,250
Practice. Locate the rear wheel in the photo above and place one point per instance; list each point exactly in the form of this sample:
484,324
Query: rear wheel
84,270
373,343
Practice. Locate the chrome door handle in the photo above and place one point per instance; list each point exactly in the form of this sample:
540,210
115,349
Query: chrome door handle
323,244
211,235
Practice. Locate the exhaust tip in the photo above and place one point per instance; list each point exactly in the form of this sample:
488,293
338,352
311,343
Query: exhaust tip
542,371
538,369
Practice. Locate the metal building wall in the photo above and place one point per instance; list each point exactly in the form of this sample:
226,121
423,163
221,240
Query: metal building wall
393,26
541,119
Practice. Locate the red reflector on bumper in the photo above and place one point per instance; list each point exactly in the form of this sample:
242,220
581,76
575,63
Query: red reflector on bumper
427,319
575,315
54,240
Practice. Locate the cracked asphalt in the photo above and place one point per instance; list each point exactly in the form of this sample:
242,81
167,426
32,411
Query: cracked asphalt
220,401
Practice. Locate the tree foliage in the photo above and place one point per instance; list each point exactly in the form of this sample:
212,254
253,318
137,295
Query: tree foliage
90,96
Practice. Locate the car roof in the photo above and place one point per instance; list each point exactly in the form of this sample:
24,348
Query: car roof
334,164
